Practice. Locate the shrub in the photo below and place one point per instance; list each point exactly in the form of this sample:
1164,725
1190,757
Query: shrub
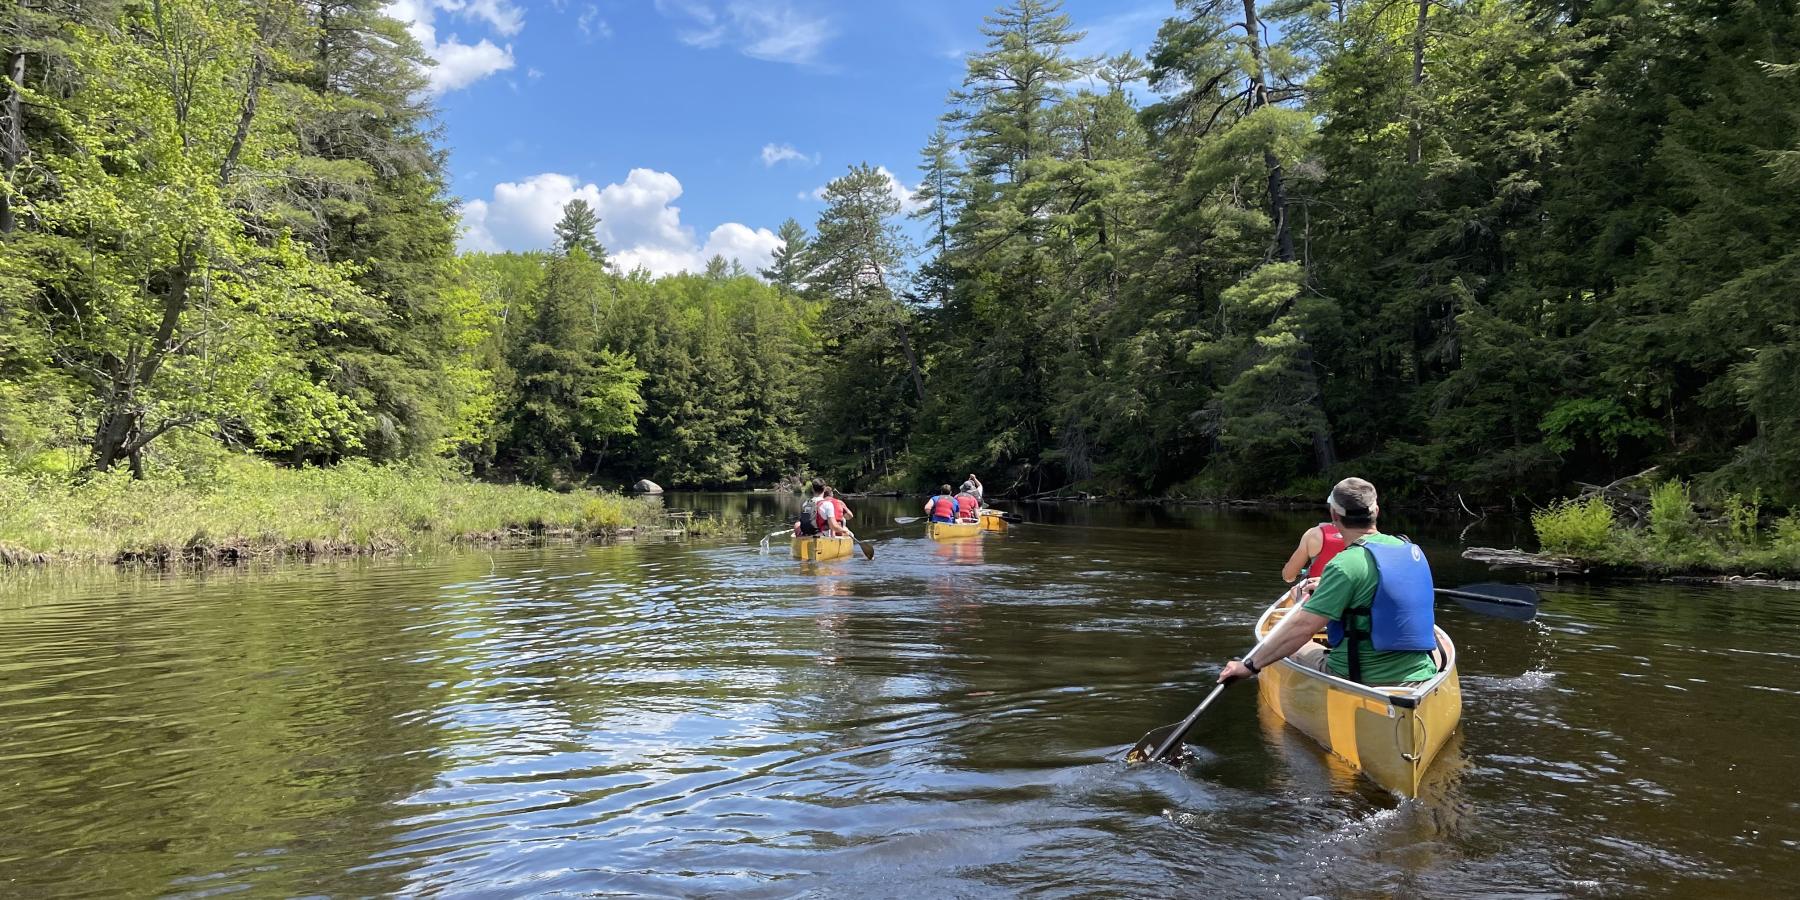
1672,517
1575,527
1741,517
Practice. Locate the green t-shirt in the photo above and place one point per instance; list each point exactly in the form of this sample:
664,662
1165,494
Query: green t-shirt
1348,584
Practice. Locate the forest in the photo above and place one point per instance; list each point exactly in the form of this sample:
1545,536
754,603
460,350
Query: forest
1474,250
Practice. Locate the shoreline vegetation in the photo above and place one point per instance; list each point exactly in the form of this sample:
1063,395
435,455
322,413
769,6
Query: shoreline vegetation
243,508
1661,530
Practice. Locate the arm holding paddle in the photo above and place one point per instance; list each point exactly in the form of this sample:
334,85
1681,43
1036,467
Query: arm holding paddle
1293,633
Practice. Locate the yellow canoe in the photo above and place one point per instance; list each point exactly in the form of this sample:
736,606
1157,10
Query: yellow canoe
940,531
991,521
822,548
1390,734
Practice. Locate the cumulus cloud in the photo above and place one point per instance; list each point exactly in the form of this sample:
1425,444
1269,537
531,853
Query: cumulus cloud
773,30
774,154
908,198
639,223
457,64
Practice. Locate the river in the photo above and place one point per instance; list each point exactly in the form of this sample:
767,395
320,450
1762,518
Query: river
699,719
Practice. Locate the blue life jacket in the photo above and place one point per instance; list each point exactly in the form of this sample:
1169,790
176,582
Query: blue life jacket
1400,616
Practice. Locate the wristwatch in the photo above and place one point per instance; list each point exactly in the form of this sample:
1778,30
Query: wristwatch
1253,667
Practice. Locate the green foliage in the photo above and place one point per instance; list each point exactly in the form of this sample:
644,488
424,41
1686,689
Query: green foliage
1672,518
1579,528
1603,423
251,507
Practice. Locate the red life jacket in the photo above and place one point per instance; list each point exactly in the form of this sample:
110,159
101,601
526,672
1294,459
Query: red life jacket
967,506
943,506
824,512
1334,544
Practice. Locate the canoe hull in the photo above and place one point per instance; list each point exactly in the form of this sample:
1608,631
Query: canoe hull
1389,734
819,549
992,522
944,531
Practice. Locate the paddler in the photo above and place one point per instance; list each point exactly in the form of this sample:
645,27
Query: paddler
1317,546
942,505
968,506
1373,598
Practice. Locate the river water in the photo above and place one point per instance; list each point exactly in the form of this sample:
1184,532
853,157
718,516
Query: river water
699,719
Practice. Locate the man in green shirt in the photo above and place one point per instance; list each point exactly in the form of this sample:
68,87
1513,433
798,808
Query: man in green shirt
1345,592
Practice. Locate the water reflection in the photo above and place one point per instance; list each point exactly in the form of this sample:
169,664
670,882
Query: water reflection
665,719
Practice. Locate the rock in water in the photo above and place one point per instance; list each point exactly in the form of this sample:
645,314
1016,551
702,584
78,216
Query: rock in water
646,486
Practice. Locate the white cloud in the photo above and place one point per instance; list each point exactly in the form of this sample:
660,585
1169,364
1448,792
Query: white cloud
639,225
773,30
500,14
908,198
458,65
774,154
591,25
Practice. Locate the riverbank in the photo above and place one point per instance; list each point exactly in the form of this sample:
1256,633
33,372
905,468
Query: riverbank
247,508
1667,536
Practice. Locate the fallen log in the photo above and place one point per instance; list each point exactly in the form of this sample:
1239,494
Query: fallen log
1520,559
1737,581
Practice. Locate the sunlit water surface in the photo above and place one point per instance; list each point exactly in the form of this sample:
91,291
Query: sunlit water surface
947,720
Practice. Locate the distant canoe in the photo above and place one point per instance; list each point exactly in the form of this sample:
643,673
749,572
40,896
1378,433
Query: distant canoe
822,548
942,531
1390,734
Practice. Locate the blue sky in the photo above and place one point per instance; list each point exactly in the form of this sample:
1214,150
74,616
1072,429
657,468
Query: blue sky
696,126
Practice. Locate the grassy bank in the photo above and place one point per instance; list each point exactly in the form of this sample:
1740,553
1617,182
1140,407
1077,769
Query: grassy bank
245,508
1671,536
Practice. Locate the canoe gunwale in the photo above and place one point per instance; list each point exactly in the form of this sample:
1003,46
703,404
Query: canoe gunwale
1406,699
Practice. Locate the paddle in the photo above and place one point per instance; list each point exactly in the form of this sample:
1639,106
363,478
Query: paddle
1004,515
1514,602
772,534
868,547
1158,742
906,520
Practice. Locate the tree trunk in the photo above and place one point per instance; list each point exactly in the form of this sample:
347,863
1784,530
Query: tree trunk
12,134
1416,136
1259,98
1324,447
912,362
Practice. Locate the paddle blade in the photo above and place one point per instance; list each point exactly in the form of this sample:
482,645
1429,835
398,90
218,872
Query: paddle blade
868,549
907,520
1516,593
1513,602
1510,612
1177,755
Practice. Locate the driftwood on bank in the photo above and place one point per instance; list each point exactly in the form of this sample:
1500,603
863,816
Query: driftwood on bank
1520,559
1737,581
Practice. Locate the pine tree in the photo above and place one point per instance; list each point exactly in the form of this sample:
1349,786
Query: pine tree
578,230
787,269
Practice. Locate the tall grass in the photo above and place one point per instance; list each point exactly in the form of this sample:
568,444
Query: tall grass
245,506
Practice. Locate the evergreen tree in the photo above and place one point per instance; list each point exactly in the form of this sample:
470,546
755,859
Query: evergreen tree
787,269
578,229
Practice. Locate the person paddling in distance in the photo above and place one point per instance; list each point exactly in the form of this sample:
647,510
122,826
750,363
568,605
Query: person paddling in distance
968,506
840,512
1373,599
817,514
942,505
972,487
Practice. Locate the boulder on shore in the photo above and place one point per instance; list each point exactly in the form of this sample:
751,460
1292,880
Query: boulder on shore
646,486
